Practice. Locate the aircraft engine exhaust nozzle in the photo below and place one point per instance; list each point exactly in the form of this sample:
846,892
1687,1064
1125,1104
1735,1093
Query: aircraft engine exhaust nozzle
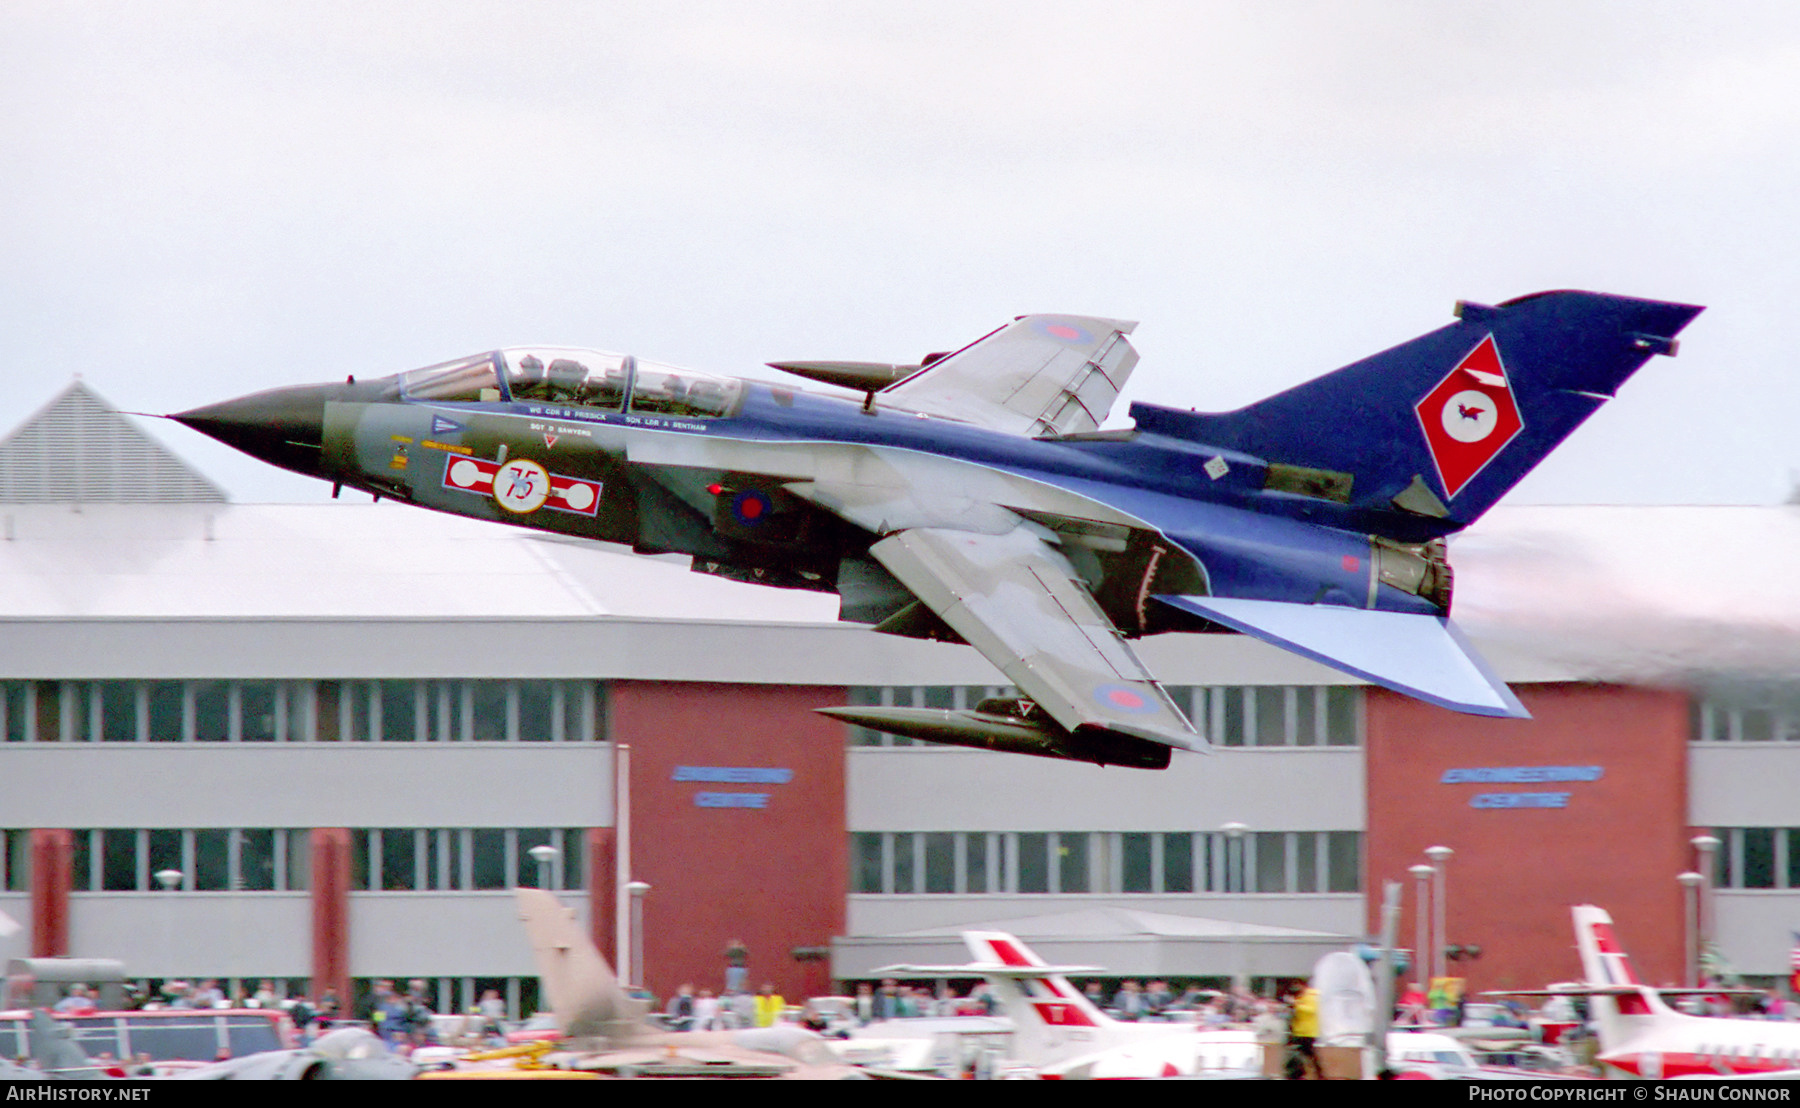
987,728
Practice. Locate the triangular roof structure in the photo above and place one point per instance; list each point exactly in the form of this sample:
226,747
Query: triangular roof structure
80,449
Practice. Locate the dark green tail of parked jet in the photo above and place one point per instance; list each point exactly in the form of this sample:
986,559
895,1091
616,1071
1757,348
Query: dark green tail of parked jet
973,498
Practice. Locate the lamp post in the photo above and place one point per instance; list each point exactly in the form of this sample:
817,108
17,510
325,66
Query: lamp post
1707,846
170,880
1690,925
1421,967
1439,855
637,889
545,856
1234,844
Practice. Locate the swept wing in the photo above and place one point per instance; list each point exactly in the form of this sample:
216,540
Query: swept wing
1019,602
1039,375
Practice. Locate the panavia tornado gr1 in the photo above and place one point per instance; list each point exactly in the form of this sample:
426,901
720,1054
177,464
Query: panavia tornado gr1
974,498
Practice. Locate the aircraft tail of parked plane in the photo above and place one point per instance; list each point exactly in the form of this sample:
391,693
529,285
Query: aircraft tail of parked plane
1640,1034
1044,1007
1617,1016
1445,424
583,991
1064,1034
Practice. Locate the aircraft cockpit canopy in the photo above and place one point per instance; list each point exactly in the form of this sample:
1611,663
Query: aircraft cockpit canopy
582,378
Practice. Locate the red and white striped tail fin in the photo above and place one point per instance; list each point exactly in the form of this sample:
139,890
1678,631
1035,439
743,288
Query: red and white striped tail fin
1034,993
1604,962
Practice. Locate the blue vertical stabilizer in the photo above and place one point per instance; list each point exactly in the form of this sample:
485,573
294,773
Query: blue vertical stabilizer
1444,425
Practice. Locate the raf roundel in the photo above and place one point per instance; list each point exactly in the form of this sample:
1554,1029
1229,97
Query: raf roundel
1124,698
1064,331
751,506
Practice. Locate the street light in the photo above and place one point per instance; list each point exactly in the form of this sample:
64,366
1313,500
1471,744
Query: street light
1690,925
545,856
637,889
1234,843
170,880
1421,967
1707,846
1439,855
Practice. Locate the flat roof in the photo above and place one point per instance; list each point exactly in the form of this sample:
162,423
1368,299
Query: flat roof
1652,595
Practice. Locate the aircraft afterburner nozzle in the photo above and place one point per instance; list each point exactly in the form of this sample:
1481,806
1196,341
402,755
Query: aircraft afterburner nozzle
284,427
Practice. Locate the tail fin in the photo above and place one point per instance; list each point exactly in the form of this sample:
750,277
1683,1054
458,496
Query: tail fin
55,1052
583,992
1444,425
1603,963
1033,993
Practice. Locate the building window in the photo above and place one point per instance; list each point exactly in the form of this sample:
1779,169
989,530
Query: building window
477,710
15,861
1034,862
410,859
940,862
1747,712
865,862
207,859
1109,863
1276,715
16,703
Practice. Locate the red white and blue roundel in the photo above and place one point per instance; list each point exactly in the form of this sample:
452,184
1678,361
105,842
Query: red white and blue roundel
1063,330
1125,698
751,507
1469,416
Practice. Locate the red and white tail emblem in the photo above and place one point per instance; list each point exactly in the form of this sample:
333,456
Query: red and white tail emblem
1469,416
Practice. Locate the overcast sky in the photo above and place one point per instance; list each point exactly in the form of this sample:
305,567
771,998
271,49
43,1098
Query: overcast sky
199,200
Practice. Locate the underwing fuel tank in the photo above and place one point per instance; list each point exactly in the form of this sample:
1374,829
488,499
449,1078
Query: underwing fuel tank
1010,726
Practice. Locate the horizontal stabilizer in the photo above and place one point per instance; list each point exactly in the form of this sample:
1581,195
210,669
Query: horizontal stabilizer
1419,655
982,969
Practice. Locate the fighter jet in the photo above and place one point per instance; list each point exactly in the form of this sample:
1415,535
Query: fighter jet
603,1030
973,497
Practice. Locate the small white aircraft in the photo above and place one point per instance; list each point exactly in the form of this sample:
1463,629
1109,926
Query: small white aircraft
1062,1034
1642,1036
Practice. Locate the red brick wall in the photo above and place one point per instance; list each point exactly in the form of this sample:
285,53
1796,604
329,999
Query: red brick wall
774,877
52,878
330,866
1618,844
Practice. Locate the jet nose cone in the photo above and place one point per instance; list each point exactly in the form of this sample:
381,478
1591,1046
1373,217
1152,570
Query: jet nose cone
284,427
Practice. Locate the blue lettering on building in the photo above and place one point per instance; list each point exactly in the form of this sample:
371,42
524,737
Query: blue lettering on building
1520,775
734,775
731,800
1519,800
